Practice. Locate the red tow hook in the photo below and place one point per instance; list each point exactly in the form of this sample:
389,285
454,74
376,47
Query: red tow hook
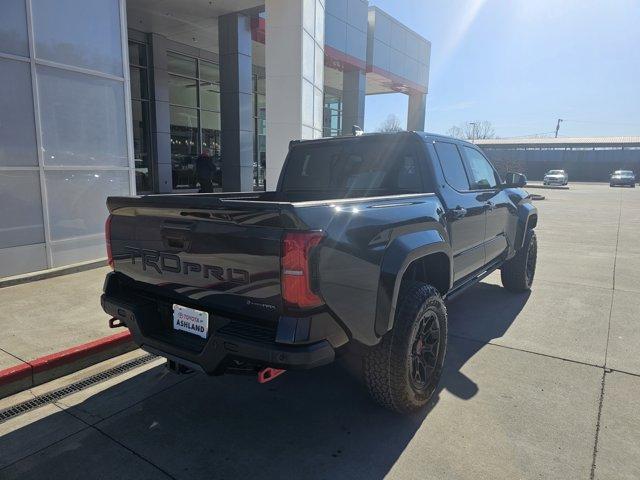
267,374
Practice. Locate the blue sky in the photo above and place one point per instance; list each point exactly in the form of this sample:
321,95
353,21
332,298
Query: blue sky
522,64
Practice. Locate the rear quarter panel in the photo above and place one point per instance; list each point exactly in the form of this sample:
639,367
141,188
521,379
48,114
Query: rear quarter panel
358,236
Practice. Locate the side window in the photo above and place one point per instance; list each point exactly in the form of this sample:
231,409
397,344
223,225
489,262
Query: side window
452,166
482,174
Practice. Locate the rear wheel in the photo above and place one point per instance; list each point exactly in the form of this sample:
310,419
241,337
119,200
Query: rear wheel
518,272
403,370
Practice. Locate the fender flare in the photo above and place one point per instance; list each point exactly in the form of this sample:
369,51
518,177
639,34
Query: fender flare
525,212
401,252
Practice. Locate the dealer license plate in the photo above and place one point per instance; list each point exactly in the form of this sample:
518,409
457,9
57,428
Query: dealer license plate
190,320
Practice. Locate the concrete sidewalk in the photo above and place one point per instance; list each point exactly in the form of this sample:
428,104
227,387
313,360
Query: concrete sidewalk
52,327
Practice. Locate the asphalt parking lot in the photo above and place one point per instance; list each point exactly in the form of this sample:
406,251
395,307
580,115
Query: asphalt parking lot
542,385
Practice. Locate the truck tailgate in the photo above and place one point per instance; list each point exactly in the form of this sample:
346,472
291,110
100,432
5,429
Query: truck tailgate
224,259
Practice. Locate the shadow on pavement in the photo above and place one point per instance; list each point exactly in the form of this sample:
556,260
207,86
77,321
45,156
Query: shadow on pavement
314,424
482,314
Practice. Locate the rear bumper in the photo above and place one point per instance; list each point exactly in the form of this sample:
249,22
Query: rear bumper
225,342
621,182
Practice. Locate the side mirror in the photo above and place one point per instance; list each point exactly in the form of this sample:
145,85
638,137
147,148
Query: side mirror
512,180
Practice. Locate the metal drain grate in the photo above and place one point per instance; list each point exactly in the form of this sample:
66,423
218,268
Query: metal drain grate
55,395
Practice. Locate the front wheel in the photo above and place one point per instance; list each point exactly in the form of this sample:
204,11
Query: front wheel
518,272
403,370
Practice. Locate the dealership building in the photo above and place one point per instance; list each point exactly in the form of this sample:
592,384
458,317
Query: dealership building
118,97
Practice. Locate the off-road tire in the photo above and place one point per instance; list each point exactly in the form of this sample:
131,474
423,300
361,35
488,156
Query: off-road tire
387,367
517,273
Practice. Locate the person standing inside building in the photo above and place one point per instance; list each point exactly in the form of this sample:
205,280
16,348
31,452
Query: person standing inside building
204,171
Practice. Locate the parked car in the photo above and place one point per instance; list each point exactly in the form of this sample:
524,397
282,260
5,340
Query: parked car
555,177
622,177
356,250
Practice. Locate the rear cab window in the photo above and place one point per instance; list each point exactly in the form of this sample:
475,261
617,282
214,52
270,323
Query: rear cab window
355,167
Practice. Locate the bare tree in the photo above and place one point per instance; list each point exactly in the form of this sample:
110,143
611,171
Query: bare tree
473,130
391,124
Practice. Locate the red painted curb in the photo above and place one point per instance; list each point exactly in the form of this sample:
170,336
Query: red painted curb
15,373
64,357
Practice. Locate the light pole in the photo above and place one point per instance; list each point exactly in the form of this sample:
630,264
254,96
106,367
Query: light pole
474,125
558,126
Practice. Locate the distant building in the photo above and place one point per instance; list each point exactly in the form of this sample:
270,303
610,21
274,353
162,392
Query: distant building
589,159
117,97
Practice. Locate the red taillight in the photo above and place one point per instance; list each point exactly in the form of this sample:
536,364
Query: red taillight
296,274
107,235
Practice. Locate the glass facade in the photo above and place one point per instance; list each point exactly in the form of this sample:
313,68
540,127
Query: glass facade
332,121
63,34
82,118
64,141
13,28
194,98
260,129
17,134
141,115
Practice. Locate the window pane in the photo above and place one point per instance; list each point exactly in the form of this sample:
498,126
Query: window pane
139,85
261,85
77,250
481,172
211,132
83,119
64,35
13,28
209,71
77,199
184,146
20,209
182,91
181,64
137,54
261,103
17,124
141,144
210,96
210,149
15,261
452,166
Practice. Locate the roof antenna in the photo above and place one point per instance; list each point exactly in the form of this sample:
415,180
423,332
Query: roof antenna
356,131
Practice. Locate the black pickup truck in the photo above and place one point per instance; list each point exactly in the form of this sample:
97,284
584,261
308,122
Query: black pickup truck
363,240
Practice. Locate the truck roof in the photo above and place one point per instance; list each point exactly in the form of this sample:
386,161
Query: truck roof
404,133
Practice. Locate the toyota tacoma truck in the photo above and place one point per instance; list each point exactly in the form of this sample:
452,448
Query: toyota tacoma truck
357,249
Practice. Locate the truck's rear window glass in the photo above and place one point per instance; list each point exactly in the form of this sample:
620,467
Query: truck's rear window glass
365,165
452,166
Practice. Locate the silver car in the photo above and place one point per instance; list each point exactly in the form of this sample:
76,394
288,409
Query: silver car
555,177
622,177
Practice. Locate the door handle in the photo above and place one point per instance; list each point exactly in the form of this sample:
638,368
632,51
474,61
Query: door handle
490,205
458,212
